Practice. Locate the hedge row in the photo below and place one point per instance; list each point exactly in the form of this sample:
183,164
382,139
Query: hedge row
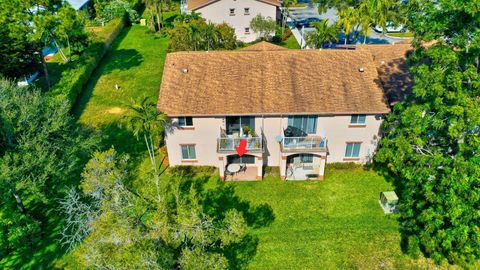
74,79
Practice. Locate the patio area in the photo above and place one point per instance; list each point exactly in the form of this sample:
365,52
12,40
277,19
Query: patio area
248,174
303,172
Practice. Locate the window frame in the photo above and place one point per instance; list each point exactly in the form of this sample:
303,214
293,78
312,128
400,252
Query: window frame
358,119
247,30
246,11
189,147
306,158
232,11
355,148
185,121
304,119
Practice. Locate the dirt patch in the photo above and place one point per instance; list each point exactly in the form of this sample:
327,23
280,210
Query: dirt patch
115,110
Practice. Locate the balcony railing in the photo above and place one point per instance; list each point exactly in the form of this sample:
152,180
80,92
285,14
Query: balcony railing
254,144
309,143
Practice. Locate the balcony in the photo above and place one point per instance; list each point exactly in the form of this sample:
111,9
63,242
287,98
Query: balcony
227,145
302,144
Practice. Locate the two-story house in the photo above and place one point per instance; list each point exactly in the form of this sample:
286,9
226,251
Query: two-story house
237,13
297,109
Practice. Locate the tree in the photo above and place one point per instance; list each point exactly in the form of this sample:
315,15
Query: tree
366,16
130,229
118,9
324,34
18,53
192,34
71,31
155,9
150,124
385,12
263,26
285,12
347,20
41,154
430,141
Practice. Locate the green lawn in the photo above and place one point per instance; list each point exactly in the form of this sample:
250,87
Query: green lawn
290,43
331,224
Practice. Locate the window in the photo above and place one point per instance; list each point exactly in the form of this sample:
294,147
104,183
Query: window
353,150
247,30
188,152
232,12
306,158
358,119
245,159
235,124
307,123
247,11
185,121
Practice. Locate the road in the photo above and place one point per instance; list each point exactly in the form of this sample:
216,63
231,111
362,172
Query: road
311,11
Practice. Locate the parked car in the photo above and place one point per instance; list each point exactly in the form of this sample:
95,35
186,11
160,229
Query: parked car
391,28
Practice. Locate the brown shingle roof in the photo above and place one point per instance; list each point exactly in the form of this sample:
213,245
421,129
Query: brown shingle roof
196,4
391,63
263,46
245,82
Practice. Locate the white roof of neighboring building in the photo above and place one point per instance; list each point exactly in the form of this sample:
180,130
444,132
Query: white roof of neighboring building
77,4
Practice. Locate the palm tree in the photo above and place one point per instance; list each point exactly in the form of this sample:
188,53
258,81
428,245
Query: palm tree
286,7
324,34
146,121
194,36
385,12
365,19
210,35
155,7
347,20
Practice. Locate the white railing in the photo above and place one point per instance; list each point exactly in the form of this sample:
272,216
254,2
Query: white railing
225,144
304,143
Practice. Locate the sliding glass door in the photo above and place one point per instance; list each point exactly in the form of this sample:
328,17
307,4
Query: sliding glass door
236,124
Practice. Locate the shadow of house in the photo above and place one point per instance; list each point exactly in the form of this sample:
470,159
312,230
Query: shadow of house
392,68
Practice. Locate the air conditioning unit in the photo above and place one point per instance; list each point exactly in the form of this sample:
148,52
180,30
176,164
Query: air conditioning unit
388,201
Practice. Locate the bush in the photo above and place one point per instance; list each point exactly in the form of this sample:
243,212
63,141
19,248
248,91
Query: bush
344,166
276,39
75,78
272,171
185,170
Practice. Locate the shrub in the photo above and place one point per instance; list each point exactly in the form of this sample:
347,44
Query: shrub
272,171
343,166
75,78
185,170
276,39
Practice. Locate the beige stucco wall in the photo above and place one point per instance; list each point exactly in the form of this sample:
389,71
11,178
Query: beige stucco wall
337,129
219,12
204,135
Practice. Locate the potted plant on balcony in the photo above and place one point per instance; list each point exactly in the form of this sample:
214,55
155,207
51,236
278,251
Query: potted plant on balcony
250,132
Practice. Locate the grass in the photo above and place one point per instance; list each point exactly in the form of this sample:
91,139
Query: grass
135,63
331,224
290,43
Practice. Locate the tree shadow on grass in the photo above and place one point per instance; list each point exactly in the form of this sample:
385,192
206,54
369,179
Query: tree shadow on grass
217,199
114,59
44,252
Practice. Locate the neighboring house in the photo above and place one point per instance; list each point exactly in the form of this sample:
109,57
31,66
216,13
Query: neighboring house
307,108
78,4
237,13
